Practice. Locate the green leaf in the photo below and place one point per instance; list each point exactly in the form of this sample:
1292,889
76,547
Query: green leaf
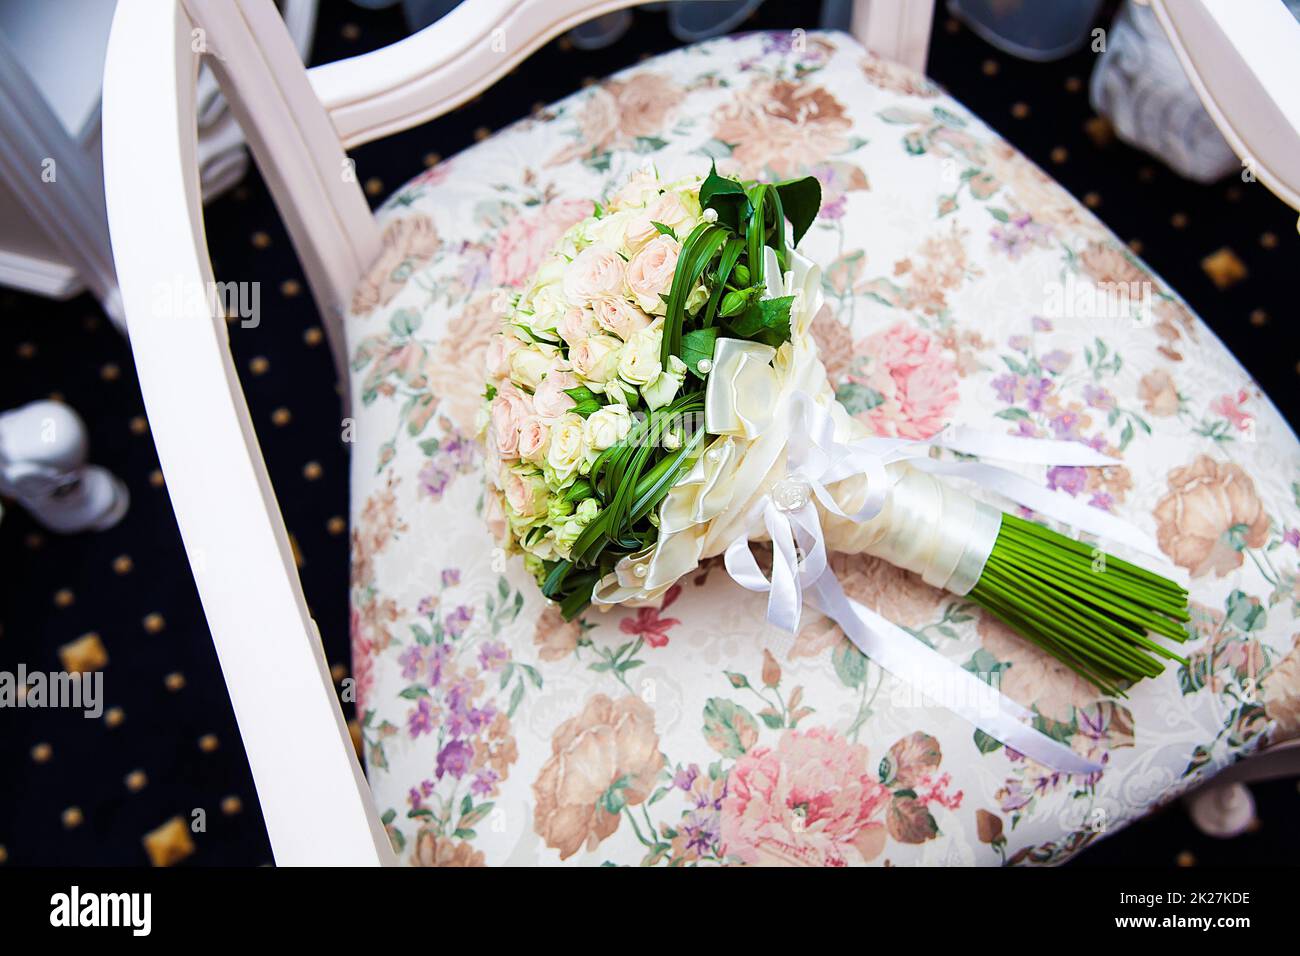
850,664
766,321
727,198
664,230
698,346
800,201
586,400
414,692
404,322
729,728
857,398
984,743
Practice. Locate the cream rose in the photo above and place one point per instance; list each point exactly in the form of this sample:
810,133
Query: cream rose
566,448
607,427
664,388
667,209
534,435
596,358
650,273
525,491
638,363
619,316
509,410
597,271
577,324
549,399
528,366
499,349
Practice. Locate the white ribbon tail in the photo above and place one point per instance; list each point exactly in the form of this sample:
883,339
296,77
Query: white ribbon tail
905,657
1031,451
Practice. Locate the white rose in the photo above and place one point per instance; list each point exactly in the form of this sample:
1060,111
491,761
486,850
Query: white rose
667,209
528,366
565,451
596,272
650,273
595,358
619,316
664,388
607,427
640,189
639,361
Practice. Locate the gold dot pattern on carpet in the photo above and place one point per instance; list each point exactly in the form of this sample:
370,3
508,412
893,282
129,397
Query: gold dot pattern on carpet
1060,154
26,350
481,134
374,186
110,372
174,681
1224,268
281,417
989,67
72,818
1268,240
1146,174
1099,130
114,716
338,672
432,159
312,470
231,806
313,336
153,623
1178,220
138,425
169,844
84,655
156,478
1092,200
1073,84
64,598
136,781
350,31
259,364
1135,246
4,854
951,25
336,525
260,240
208,743
1258,318
290,288
1186,859
1020,110
42,753
34,540
123,564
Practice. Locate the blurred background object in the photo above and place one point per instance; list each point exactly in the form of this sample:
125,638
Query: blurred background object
1029,30
54,241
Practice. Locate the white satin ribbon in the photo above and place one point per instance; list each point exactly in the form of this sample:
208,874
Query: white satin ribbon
789,515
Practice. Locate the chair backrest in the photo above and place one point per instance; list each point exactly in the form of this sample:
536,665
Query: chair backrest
1243,60
298,124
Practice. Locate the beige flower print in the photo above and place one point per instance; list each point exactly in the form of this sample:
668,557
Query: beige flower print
1034,677
1282,694
1210,509
554,637
408,244
608,755
781,127
619,111
455,369
1158,393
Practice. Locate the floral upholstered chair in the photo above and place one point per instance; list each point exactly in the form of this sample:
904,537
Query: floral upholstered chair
963,285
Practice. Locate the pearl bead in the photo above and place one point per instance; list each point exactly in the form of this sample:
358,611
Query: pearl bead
705,366
713,456
641,570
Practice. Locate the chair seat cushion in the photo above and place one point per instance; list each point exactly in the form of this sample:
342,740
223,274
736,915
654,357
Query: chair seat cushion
964,286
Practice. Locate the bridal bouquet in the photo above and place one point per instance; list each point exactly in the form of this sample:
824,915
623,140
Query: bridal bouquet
655,397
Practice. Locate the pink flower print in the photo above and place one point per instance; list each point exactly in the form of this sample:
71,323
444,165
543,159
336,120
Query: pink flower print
649,625
917,383
1230,407
521,245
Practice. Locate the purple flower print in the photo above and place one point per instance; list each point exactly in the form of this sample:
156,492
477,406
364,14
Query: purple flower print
458,620
439,654
684,779
420,721
432,480
411,659
1006,387
492,656
1068,478
458,453
1055,361
1019,342
702,830
450,577
1098,397
484,782
1036,393
455,759
427,606
1066,424
835,208
1103,501
1292,537
1042,325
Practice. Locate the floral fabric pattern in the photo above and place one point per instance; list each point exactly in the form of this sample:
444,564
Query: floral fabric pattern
964,286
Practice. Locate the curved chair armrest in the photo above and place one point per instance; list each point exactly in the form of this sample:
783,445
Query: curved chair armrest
1242,61
313,795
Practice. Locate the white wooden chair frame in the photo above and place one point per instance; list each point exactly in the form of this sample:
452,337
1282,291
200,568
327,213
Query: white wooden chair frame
299,123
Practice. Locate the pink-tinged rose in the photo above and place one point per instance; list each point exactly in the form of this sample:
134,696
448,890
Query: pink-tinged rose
528,366
916,382
533,437
667,209
596,271
650,273
596,358
577,324
550,401
499,349
813,801
494,515
525,241
525,492
619,316
509,411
